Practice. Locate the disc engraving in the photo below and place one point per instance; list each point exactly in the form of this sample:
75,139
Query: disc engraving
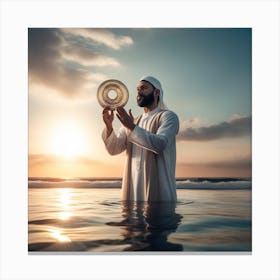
105,91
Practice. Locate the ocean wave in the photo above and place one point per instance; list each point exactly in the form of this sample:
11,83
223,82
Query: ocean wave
181,183
215,185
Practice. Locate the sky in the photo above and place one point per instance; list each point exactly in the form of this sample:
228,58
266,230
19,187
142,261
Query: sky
206,79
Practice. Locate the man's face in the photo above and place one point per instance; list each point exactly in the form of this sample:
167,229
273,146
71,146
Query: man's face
145,94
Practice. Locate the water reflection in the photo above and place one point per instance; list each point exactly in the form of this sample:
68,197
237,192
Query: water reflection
65,204
146,226
64,214
57,234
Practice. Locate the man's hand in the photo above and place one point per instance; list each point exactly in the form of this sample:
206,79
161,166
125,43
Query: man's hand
108,117
126,119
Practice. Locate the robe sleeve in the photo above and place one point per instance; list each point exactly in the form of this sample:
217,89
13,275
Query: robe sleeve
115,144
168,128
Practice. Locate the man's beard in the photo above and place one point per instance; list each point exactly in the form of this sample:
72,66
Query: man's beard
145,100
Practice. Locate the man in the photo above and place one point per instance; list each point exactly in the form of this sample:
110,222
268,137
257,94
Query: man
150,144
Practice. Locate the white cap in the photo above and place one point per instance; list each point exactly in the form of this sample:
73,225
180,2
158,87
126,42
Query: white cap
156,83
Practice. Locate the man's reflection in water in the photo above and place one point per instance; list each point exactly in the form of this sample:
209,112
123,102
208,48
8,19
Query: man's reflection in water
147,225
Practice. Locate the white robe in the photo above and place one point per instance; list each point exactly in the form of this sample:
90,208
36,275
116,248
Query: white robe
161,144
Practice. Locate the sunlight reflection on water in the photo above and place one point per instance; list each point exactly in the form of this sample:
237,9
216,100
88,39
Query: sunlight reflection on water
65,203
56,233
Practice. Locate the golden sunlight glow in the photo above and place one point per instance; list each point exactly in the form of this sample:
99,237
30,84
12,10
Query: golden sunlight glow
65,204
56,233
68,140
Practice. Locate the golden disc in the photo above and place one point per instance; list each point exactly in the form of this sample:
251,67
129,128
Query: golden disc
112,94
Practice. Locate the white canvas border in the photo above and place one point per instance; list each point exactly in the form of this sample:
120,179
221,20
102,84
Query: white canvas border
17,16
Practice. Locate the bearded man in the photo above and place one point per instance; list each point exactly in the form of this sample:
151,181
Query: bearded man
150,145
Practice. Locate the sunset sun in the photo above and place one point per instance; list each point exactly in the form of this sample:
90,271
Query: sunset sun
68,140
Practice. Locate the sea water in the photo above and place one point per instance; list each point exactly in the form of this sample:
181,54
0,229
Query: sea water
87,215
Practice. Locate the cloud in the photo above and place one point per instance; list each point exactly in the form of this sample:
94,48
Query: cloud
237,126
101,36
232,164
50,165
60,63
238,162
231,167
87,57
194,122
44,159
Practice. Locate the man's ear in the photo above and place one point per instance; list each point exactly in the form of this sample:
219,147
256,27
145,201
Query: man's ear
157,92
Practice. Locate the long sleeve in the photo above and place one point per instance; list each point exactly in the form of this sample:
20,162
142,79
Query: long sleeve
169,126
115,144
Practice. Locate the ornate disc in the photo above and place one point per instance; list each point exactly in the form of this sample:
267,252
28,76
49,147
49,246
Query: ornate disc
112,94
